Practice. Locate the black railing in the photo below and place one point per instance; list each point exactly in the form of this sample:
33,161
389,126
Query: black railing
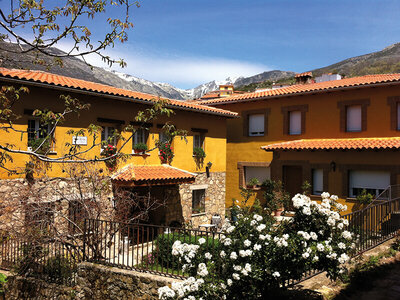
141,247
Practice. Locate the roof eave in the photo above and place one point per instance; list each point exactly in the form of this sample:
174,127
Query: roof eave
116,97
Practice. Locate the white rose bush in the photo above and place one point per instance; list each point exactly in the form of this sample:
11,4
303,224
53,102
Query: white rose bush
256,256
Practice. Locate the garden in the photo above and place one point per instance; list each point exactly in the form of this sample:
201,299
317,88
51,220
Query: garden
257,257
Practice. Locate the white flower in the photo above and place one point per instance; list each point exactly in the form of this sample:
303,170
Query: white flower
229,282
343,258
247,267
313,235
202,270
235,276
315,258
276,274
227,242
341,245
320,247
165,292
285,236
230,229
331,221
237,268
305,255
262,237
261,227
242,253
346,234
222,254
202,241
340,225
306,210
208,255
325,195
253,222
257,247
247,243
346,222
257,217
233,255
334,197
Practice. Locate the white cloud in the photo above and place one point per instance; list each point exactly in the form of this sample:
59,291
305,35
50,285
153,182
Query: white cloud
180,71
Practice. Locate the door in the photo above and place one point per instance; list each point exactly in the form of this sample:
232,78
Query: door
292,179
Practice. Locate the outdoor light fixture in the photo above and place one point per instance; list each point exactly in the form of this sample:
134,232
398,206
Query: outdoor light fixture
208,167
333,166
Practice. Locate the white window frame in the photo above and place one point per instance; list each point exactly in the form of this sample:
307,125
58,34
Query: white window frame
257,129
354,118
37,131
140,136
295,120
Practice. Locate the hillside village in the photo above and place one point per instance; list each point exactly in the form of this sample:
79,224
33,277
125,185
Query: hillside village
280,185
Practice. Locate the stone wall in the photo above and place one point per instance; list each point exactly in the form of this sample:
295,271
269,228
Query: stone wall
93,282
214,200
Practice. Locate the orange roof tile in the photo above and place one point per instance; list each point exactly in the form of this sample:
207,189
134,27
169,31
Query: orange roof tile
304,74
299,89
337,144
78,84
155,174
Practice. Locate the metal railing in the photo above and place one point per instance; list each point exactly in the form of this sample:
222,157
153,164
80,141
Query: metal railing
141,247
375,224
50,260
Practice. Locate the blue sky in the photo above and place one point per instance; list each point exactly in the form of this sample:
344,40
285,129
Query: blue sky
189,42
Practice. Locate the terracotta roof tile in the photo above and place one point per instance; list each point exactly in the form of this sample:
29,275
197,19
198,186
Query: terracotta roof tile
337,144
303,74
308,88
155,173
63,81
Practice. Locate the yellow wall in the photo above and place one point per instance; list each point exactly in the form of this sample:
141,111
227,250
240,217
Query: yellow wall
40,98
322,121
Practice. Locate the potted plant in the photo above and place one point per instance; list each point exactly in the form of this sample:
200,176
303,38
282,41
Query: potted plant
199,153
166,152
39,145
140,148
365,198
109,151
254,183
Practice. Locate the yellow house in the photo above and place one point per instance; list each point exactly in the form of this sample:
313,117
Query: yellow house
341,136
198,187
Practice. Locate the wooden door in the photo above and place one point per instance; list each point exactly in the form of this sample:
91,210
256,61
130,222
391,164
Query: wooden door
292,179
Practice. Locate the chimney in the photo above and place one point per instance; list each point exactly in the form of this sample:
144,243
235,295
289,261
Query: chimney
304,78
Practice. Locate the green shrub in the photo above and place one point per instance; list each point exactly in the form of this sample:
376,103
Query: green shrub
364,197
141,147
164,244
3,280
35,144
199,153
59,268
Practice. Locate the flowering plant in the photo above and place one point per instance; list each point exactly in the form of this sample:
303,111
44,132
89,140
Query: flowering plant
256,256
166,152
109,151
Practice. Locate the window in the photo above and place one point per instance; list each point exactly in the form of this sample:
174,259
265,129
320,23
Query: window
317,181
198,141
76,215
260,173
353,118
256,124
37,130
140,136
198,201
162,137
374,182
106,136
295,122
398,116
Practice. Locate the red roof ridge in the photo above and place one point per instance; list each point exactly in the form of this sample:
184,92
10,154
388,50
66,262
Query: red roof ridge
337,143
299,89
70,82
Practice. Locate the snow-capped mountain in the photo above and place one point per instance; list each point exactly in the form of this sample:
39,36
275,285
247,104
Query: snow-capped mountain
205,88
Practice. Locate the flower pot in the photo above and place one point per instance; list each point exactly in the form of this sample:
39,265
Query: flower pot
137,151
278,212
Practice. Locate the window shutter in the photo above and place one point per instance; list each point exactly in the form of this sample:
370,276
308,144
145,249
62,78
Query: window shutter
374,180
256,125
398,115
261,173
295,122
318,181
353,118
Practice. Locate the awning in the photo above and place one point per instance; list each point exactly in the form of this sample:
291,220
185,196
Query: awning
134,175
337,144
